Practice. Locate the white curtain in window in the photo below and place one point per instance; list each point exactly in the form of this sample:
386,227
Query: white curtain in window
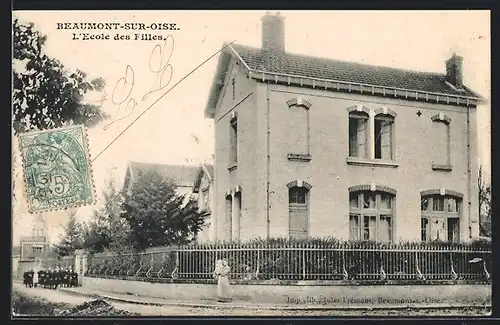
385,139
354,227
384,229
361,138
353,138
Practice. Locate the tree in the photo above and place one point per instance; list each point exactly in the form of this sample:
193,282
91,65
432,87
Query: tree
45,93
484,205
157,215
107,230
96,234
71,239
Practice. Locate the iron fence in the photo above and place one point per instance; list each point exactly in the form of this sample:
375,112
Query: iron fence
302,262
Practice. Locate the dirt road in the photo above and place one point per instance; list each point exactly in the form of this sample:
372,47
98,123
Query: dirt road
61,297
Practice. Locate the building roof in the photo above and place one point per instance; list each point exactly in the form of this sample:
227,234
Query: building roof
204,169
183,175
329,69
210,170
324,69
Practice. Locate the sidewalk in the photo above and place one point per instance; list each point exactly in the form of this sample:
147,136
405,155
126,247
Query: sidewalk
214,304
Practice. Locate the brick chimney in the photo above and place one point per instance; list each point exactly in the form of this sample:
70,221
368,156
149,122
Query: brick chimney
454,71
273,32
273,41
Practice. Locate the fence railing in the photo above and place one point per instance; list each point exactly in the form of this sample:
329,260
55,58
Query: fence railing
302,262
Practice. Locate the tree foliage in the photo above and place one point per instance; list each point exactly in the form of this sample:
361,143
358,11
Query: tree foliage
96,234
71,239
157,215
45,93
484,204
107,230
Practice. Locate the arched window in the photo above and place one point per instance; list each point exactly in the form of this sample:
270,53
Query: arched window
298,203
440,219
384,136
371,215
358,134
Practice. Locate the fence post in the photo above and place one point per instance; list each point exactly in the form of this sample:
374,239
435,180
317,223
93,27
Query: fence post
303,262
80,264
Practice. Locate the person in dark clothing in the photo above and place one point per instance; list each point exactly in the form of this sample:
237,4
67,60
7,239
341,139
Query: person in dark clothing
58,278
41,280
73,279
26,278
66,278
30,278
50,279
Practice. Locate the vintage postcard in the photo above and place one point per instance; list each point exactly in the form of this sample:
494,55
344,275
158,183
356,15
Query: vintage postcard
222,163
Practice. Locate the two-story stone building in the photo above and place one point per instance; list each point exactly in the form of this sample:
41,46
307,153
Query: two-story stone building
308,146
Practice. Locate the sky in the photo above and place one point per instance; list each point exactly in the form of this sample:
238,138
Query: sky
173,130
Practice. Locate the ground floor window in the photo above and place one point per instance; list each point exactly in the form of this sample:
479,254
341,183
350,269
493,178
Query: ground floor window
371,215
440,219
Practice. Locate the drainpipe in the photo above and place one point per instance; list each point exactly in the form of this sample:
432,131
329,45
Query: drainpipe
469,173
268,158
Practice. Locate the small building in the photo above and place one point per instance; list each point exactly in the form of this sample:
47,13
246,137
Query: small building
35,248
192,181
37,245
184,176
311,146
203,188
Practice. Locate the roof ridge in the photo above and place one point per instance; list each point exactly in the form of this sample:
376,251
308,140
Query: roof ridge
162,164
257,49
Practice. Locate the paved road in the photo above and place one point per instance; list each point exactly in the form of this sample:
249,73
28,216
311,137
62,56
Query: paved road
59,296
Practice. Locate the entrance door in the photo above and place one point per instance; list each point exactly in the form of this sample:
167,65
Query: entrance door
298,212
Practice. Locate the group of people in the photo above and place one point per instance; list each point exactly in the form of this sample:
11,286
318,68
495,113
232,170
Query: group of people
50,278
221,274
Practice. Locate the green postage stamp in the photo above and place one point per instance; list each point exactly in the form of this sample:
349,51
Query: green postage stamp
57,168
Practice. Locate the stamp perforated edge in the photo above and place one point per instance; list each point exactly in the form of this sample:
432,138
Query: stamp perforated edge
89,170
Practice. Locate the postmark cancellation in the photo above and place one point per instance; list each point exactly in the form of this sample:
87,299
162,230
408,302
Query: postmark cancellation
57,168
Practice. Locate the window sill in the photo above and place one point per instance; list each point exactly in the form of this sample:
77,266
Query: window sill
299,157
371,162
443,168
232,166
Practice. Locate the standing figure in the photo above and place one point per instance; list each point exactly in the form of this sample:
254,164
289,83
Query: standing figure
30,278
74,279
35,278
41,278
26,280
66,276
223,287
50,278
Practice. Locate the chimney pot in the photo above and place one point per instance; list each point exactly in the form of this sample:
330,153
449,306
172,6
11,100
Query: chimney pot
454,74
